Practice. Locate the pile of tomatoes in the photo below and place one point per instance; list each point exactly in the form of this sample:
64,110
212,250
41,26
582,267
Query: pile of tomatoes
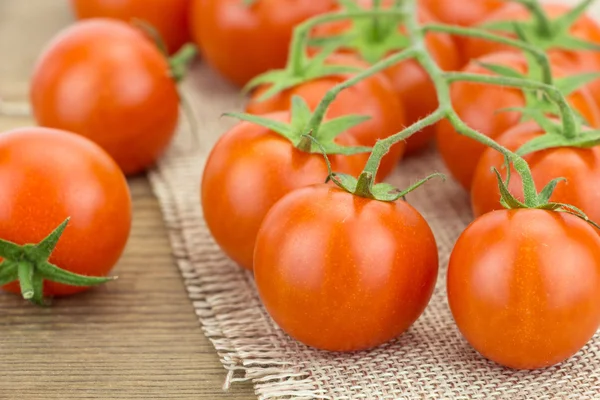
341,263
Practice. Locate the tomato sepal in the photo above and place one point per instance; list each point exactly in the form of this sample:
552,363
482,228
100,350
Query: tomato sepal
30,266
585,139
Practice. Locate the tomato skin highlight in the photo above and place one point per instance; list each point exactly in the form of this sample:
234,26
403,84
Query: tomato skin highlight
47,175
248,170
478,105
169,17
470,12
106,81
343,273
241,42
517,295
377,100
580,168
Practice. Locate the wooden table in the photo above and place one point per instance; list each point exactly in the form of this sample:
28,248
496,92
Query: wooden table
135,338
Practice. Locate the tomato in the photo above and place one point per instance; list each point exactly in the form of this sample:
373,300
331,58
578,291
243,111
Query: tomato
47,175
342,273
248,170
579,166
585,28
524,286
241,41
169,17
478,105
377,100
410,82
470,12
105,80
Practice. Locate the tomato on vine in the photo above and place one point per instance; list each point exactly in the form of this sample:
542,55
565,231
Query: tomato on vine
580,166
252,166
377,101
106,81
487,109
65,213
244,38
518,296
470,12
168,17
344,270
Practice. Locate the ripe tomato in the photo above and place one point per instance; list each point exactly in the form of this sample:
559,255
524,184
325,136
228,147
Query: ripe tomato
377,100
470,12
242,41
585,28
524,286
105,80
410,82
578,166
248,170
47,175
478,106
342,273
169,17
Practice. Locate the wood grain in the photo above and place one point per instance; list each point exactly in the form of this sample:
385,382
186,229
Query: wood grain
135,338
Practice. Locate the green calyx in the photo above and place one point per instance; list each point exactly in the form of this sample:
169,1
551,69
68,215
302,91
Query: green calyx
535,200
29,265
304,125
544,32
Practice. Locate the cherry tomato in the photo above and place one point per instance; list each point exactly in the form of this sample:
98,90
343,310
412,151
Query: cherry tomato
524,286
377,100
479,105
470,12
410,82
47,175
342,273
248,170
242,41
578,166
105,80
585,28
169,17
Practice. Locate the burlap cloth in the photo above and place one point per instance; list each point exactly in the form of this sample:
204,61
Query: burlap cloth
429,361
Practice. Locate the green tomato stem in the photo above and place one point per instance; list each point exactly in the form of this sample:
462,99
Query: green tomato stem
541,19
25,271
569,120
540,56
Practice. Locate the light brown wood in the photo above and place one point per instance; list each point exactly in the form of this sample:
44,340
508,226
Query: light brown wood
135,338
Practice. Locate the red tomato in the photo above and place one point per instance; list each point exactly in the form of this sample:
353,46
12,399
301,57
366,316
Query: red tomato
248,170
478,106
410,82
342,273
169,17
242,41
524,286
470,12
584,28
105,80
48,175
377,100
578,166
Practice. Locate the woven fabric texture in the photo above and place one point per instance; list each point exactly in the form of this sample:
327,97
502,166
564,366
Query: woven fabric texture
430,361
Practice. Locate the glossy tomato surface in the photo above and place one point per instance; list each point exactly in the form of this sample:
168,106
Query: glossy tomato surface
373,97
481,107
242,41
409,81
524,286
248,170
580,168
467,13
106,81
169,17
48,175
342,273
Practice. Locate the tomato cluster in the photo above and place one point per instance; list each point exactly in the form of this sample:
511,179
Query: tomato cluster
340,92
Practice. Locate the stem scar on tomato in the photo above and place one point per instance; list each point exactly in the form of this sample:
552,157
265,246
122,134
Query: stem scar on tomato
30,266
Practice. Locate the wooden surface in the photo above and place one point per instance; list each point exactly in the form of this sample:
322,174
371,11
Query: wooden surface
135,338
